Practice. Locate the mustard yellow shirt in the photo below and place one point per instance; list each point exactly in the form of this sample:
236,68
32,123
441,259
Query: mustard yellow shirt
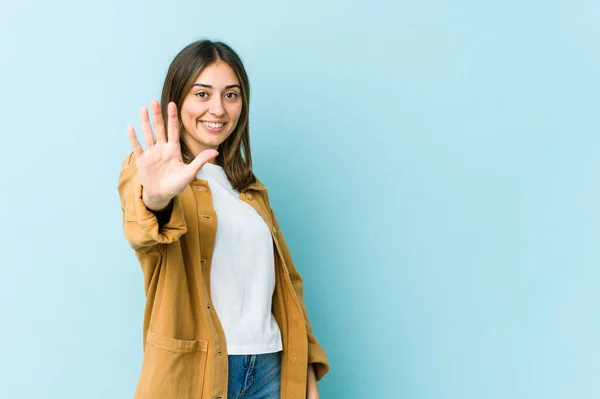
185,353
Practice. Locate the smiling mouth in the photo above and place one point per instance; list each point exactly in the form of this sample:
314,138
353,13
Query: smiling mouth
213,125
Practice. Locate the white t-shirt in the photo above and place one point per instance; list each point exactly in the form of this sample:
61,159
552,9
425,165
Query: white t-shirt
243,270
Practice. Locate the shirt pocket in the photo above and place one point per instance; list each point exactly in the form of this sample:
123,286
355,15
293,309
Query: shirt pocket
172,368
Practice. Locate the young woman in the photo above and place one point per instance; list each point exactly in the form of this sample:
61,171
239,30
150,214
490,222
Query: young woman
225,315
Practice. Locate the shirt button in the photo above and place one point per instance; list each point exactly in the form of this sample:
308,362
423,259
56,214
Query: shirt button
218,397
207,217
200,188
219,351
208,306
202,260
249,195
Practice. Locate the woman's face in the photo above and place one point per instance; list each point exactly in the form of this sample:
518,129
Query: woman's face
211,109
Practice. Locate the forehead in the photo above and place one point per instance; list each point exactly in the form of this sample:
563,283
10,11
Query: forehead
218,74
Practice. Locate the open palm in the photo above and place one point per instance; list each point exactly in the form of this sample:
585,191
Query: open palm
161,169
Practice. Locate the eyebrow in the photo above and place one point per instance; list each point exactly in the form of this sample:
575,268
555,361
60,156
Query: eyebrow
210,87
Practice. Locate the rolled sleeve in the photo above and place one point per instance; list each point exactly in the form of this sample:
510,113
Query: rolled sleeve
143,229
316,354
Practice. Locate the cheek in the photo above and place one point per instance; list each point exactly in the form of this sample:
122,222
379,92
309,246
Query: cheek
235,111
186,119
189,114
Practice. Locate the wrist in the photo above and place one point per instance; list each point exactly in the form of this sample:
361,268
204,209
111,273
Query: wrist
155,204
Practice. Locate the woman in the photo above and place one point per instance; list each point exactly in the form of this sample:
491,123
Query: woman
225,315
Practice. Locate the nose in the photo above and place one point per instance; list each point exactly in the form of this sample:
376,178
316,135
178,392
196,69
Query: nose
216,106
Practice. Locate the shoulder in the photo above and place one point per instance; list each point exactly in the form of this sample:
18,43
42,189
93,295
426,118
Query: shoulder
256,185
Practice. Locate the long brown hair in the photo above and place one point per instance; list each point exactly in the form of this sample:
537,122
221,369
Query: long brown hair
234,153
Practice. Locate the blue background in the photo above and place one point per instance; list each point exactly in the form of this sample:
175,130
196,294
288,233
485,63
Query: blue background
434,166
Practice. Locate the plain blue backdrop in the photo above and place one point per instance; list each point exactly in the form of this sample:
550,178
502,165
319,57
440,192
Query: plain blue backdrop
434,166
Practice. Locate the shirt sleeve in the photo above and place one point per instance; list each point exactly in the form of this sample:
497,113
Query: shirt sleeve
144,229
316,354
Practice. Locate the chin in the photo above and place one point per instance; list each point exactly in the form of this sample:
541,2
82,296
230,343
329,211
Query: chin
212,143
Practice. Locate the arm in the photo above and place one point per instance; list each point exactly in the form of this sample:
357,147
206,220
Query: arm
312,391
145,229
317,358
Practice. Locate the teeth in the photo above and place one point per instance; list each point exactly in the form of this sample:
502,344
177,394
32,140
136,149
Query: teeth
213,125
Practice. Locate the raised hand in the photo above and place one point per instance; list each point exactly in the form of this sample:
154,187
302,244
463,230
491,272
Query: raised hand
161,169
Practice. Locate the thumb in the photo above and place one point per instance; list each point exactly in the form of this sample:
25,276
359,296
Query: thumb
201,159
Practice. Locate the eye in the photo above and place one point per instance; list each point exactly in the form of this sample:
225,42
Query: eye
201,94
231,95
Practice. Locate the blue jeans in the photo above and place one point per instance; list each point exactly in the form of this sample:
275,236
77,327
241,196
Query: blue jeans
254,376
